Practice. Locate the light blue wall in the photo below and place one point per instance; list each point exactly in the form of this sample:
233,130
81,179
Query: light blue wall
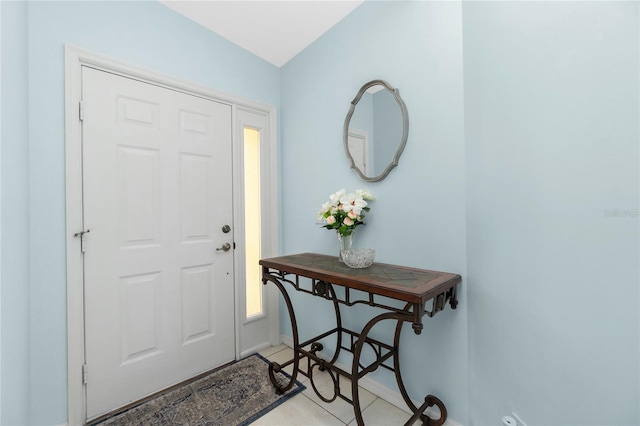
419,217
144,33
545,232
14,191
0,212
552,121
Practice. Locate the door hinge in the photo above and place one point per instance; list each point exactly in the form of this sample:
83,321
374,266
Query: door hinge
81,236
84,374
81,111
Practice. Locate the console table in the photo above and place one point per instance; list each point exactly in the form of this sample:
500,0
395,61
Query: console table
422,292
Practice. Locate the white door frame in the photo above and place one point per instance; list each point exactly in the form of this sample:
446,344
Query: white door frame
75,58
245,331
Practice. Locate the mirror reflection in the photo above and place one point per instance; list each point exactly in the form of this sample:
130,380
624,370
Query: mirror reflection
375,130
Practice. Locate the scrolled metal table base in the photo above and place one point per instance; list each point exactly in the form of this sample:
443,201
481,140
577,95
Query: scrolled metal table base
382,352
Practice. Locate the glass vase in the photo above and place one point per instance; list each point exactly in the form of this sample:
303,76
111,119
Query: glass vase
344,242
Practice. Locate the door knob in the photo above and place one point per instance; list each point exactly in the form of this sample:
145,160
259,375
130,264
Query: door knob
225,247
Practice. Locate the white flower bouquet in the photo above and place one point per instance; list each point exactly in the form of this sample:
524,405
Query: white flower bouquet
344,212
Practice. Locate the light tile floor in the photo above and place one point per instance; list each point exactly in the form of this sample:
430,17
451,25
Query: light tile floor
306,409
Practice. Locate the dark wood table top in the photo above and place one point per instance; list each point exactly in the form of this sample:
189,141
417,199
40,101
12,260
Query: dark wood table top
397,282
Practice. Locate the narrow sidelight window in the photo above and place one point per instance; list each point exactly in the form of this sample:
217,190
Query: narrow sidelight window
252,220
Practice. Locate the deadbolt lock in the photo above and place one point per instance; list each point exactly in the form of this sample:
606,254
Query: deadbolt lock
226,229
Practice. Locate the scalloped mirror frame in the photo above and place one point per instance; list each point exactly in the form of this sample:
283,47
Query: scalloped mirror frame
405,130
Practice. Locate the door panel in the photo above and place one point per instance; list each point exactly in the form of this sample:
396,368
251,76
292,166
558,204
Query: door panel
159,297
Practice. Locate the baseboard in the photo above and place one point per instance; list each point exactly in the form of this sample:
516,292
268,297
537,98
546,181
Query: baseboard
286,340
390,395
255,349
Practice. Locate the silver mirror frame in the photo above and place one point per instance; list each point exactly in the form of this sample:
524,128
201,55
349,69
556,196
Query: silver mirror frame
405,130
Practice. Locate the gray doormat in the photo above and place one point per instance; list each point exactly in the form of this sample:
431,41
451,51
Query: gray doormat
237,394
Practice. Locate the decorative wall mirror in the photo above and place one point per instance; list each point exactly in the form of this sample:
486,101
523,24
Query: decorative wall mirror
375,133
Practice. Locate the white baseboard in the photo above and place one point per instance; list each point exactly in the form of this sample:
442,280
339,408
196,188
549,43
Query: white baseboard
255,349
286,340
390,395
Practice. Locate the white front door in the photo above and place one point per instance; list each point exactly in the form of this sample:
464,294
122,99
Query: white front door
159,292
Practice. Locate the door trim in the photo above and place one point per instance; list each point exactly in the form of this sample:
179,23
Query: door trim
246,117
75,58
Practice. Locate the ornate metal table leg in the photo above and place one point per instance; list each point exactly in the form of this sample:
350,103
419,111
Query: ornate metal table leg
326,290
274,367
429,400
355,374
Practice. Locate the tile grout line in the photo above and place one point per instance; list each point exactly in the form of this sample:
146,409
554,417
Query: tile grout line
332,415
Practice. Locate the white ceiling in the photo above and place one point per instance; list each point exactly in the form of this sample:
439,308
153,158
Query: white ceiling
273,30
